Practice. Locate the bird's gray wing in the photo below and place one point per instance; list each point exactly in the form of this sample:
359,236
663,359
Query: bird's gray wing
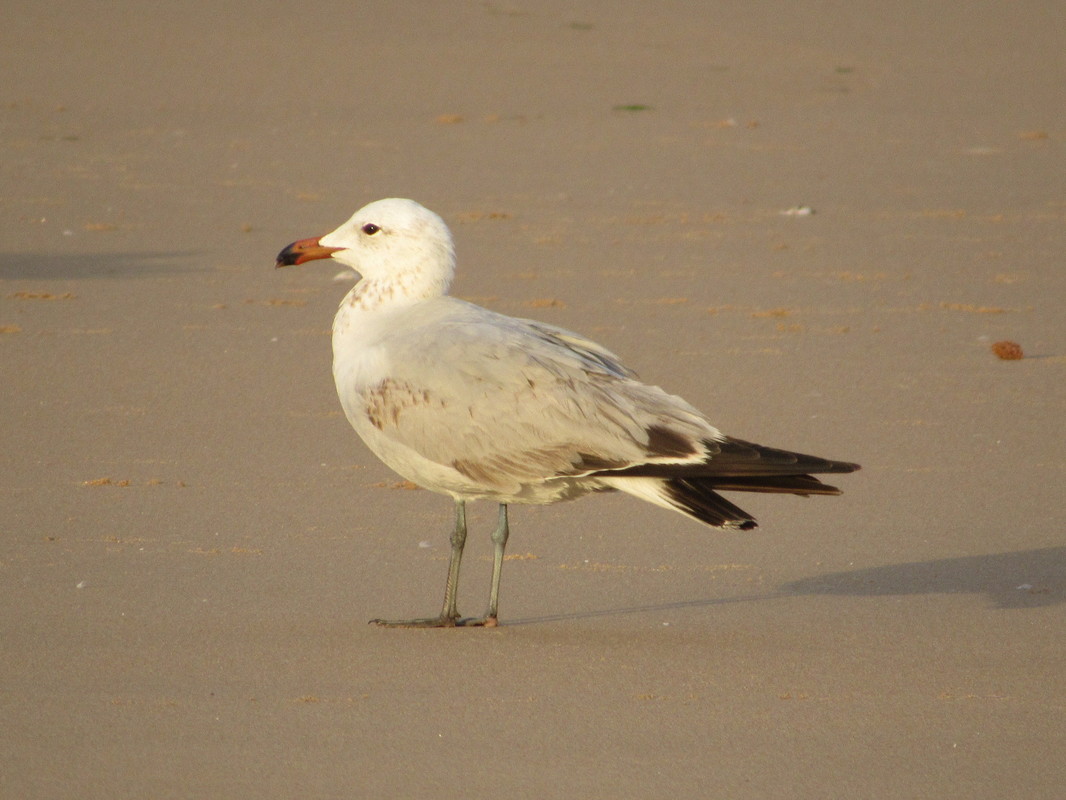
507,402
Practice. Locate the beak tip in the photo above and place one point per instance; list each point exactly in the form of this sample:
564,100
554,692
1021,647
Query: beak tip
303,250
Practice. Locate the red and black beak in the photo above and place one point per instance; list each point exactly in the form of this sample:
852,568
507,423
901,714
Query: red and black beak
303,250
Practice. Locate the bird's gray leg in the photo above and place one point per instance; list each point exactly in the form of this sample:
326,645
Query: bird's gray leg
499,542
449,615
451,590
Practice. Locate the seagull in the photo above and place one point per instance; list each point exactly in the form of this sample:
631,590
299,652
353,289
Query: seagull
477,405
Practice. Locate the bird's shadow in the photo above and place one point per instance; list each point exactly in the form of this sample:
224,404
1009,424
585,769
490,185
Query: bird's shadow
52,266
1017,580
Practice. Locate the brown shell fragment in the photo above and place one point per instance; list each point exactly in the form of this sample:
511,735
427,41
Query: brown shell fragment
1008,351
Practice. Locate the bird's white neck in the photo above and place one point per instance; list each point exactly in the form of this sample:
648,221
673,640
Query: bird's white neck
398,291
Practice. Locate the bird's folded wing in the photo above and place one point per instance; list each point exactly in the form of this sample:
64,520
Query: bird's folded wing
507,402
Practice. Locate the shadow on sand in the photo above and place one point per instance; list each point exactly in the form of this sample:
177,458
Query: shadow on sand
46,267
1023,579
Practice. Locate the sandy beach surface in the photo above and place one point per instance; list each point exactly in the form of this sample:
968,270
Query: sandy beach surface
813,222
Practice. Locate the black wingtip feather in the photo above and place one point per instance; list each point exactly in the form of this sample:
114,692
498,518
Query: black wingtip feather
747,465
736,457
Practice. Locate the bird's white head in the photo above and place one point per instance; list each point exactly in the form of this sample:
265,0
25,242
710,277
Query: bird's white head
399,247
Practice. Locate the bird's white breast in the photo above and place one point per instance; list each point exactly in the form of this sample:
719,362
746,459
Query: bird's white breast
364,342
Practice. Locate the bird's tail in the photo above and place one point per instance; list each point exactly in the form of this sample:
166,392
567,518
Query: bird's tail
731,465
692,497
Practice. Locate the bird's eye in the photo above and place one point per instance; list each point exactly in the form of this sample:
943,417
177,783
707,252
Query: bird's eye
370,229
